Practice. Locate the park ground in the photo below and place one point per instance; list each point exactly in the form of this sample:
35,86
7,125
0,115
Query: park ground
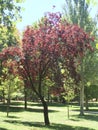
32,118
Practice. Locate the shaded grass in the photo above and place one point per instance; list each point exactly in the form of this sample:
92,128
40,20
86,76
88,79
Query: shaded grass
3,108
93,117
93,104
32,118
52,127
3,128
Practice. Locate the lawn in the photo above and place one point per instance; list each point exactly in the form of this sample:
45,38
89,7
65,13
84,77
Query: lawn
32,118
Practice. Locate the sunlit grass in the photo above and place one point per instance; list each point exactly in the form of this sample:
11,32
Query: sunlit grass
32,118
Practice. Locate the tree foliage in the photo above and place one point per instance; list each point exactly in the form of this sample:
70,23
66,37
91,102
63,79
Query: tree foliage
8,37
78,12
9,15
52,41
9,12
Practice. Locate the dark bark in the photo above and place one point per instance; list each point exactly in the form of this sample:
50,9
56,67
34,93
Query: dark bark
39,94
3,96
48,95
44,103
8,105
45,111
86,104
25,98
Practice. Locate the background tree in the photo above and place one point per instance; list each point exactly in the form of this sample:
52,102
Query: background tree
10,85
9,37
78,12
91,77
9,15
91,92
10,12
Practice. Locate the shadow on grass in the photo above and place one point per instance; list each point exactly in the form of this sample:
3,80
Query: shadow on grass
12,117
93,104
87,117
49,104
3,128
17,103
39,110
76,120
57,104
67,127
3,108
55,126
90,111
51,127
35,104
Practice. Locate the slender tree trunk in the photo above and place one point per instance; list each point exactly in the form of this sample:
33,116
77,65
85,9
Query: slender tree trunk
8,106
3,94
48,95
25,98
25,95
86,98
68,110
86,104
82,88
45,110
8,101
82,100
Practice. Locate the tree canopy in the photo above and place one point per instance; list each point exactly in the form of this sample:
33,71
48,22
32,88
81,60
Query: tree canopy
53,41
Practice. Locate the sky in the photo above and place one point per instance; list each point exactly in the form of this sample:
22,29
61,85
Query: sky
35,9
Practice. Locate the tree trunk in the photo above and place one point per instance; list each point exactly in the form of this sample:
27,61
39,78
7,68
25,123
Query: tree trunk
25,98
8,106
8,101
86,98
45,107
82,100
86,104
68,110
48,95
45,110
3,96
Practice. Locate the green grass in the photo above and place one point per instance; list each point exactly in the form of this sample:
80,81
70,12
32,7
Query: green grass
32,118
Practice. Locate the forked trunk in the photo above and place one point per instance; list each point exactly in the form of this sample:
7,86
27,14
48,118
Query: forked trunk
44,103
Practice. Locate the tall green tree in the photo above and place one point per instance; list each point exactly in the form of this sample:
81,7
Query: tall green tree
78,12
9,11
9,15
93,2
11,85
